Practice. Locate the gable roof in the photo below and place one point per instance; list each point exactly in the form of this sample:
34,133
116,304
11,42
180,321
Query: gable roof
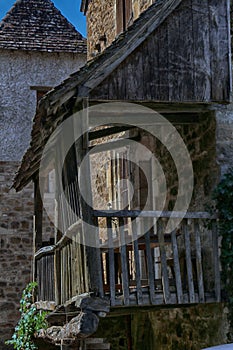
78,85
37,25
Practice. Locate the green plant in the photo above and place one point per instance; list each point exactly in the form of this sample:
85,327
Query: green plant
31,321
223,196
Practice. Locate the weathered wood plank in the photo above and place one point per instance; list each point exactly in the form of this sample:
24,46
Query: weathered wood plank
201,48
57,262
62,275
219,18
38,210
188,259
151,214
124,263
133,69
216,262
185,50
199,262
163,257
176,265
111,262
163,64
99,260
108,131
137,262
174,57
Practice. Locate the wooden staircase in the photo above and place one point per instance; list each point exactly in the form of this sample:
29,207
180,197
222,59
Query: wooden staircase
96,344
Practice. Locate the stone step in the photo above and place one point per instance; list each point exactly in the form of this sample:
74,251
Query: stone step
94,340
96,344
100,346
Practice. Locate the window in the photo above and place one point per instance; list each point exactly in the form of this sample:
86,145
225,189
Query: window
40,91
123,15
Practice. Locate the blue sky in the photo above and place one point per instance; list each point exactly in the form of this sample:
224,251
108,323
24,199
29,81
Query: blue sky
69,8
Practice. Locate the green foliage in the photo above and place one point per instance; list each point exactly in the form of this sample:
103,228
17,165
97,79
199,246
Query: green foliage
31,321
223,196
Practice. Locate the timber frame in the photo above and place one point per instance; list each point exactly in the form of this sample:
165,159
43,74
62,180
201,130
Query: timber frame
177,78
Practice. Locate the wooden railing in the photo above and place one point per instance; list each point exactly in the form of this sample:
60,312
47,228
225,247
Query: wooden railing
140,263
44,273
71,267
157,267
69,209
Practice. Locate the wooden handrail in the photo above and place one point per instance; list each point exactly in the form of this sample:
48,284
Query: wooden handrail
45,251
153,214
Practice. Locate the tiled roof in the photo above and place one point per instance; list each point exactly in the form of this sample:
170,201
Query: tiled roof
38,25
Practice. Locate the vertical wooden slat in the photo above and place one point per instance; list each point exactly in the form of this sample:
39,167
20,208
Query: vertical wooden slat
99,259
165,280
189,262
216,262
38,210
66,203
68,198
61,269
150,263
77,266
220,52
199,262
111,262
68,271
64,216
64,274
137,262
124,263
176,264
57,277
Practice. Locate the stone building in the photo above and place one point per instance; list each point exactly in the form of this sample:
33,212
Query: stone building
163,288
38,49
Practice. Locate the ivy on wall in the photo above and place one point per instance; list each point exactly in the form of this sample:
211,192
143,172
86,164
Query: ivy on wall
31,321
223,196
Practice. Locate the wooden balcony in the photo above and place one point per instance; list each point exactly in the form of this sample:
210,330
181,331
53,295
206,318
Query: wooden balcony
136,262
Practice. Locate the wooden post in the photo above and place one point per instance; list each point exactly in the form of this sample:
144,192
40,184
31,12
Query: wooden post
92,253
137,262
38,210
124,263
165,280
189,262
199,262
111,262
179,290
216,262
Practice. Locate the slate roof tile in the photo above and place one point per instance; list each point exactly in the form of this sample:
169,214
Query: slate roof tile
39,26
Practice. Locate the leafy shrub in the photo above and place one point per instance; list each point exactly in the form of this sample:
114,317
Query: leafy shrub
31,321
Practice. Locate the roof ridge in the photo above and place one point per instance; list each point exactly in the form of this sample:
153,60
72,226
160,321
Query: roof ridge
39,26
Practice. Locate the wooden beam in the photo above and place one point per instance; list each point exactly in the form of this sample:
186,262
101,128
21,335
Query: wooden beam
108,131
152,214
38,210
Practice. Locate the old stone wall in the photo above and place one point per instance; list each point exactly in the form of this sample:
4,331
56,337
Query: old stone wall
199,139
224,137
20,72
101,20
191,328
16,227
